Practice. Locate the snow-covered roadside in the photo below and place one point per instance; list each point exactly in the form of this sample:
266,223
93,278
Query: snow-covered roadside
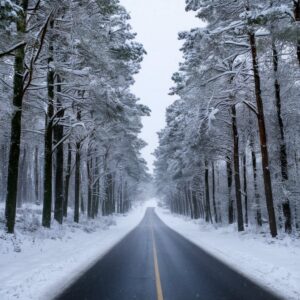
273,264
36,265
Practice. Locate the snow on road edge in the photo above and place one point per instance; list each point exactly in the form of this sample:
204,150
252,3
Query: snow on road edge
46,266
272,264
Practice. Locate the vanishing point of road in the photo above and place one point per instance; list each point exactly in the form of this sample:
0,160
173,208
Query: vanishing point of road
155,263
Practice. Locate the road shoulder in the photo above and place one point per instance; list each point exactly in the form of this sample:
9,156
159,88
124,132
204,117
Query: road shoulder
41,265
273,264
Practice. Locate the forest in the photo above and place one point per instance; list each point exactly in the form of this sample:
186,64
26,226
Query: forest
69,123
229,153
119,180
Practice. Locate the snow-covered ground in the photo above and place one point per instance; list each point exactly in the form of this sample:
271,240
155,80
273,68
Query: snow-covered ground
274,264
38,263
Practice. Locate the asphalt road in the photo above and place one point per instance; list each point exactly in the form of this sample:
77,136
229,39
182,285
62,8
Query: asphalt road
154,262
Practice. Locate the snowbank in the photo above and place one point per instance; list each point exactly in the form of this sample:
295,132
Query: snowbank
39,263
274,264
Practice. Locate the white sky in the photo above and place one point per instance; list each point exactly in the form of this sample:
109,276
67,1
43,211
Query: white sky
157,23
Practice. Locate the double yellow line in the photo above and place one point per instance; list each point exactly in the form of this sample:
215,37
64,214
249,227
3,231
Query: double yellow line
156,268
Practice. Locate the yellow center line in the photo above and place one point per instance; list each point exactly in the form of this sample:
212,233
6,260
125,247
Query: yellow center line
156,268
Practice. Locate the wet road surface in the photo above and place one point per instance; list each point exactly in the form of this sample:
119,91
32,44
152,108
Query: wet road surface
154,262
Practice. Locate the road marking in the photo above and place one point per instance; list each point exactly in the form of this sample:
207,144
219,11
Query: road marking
156,268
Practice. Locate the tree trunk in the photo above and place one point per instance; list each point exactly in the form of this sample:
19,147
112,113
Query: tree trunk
263,138
67,180
77,175
195,203
90,190
122,195
109,189
189,196
96,191
229,184
126,200
3,170
82,205
283,153
22,180
187,200
245,189
178,202
201,207
111,194
208,217
214,192
256,193
220,200
36,175
77,183
113,204
59,175
15,138
48,141
186,203
297,19
236,164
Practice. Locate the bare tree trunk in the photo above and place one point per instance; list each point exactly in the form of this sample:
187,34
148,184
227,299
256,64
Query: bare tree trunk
15,138
122,196
188,200
245,189
22,178
96,199
106,197
82,205
90,188
126,202
96,191
195,203
283,153
202,209
297,19
59,175
77,175
256,193
220,200
263,138
191,200
113,204
49,141
229,184
178,201
3,170
236,164
36,175
214,192
77,183
208,217
67,181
